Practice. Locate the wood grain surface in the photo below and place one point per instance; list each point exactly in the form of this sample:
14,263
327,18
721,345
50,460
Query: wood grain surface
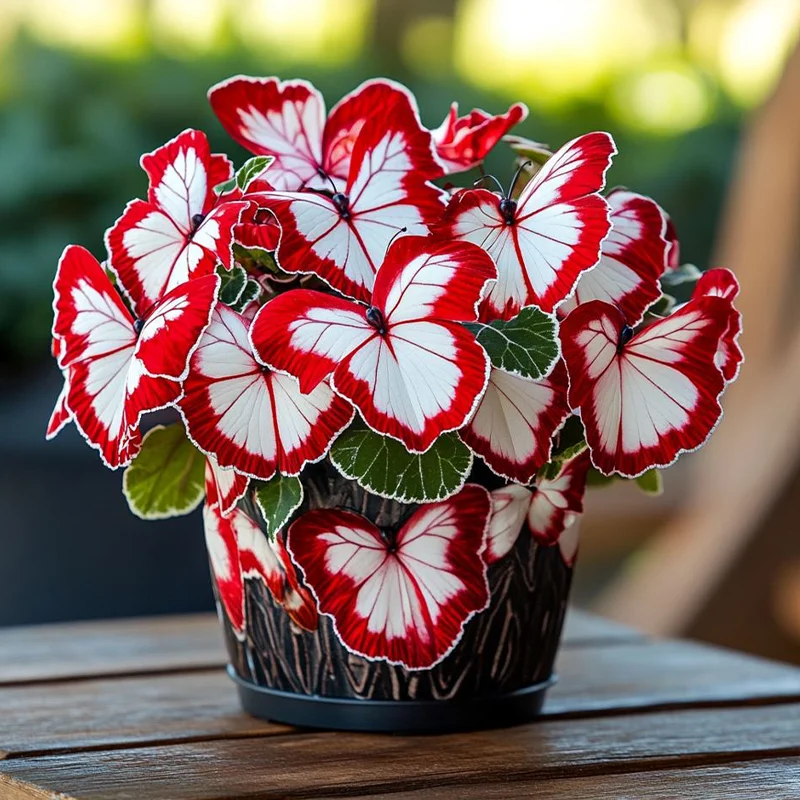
773,779
196,706
315,764
111,647
174,644
142,710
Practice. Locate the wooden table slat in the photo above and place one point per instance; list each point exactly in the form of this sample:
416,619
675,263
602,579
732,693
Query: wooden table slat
770,779
142,709
321,764
203,705
173,644
110,647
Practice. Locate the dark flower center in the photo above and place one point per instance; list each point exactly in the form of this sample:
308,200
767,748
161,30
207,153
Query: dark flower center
375,318
625,336
508,208
342,203
388,537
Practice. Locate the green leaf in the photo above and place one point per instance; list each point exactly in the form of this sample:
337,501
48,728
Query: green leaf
686,273
571,443
529,150
245,175
384,466
233,284
227,186
167,477
650,482
551,469
663,306
571,434
277,499
526,345
252,169
597,480
251,291
255,258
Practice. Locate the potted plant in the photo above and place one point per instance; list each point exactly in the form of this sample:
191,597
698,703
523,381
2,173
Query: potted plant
391,395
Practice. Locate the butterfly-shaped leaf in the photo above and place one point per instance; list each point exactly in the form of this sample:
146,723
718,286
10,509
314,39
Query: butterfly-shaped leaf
404,595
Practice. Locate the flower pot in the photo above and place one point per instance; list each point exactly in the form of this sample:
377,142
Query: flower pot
291,666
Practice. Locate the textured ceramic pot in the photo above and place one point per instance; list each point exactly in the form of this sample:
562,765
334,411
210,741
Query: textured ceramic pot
290,666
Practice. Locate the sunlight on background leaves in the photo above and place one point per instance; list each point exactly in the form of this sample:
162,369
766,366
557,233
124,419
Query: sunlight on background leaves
555,54
756,41
665,99
551,53
88,85
657,62
91,26
427,45
325,31
189,26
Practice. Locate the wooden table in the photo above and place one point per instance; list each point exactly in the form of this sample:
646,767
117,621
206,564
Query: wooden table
142,710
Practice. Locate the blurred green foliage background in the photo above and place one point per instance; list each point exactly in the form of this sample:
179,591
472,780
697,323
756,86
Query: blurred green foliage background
87,86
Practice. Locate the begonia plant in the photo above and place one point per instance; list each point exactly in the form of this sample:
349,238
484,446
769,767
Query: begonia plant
478,353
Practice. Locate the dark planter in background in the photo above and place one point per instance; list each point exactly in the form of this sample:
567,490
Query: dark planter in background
71,549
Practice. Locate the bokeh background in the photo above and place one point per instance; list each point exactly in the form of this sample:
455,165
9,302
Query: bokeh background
702,98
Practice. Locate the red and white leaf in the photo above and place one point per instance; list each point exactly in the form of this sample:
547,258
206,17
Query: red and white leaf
513,428
61,415
509,508
723,283
297,601
411,374
555,504
405,597
284,119
645,401
173,329
108,388
551,237
223,551
224,487
422,278
718,283
183,173
423,379
633,258
464,142
343,239
239,550
257,228
568,543
379,98
549,509
673,254
252,418
258,558
308,334
179,232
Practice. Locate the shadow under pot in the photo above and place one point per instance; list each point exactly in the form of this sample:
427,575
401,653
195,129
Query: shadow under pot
368,614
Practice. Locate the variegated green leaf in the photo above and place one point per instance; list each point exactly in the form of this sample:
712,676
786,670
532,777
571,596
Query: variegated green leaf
384,466
166,479
526,345
277,499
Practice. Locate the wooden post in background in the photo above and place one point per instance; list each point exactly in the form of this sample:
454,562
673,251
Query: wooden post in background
741,472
